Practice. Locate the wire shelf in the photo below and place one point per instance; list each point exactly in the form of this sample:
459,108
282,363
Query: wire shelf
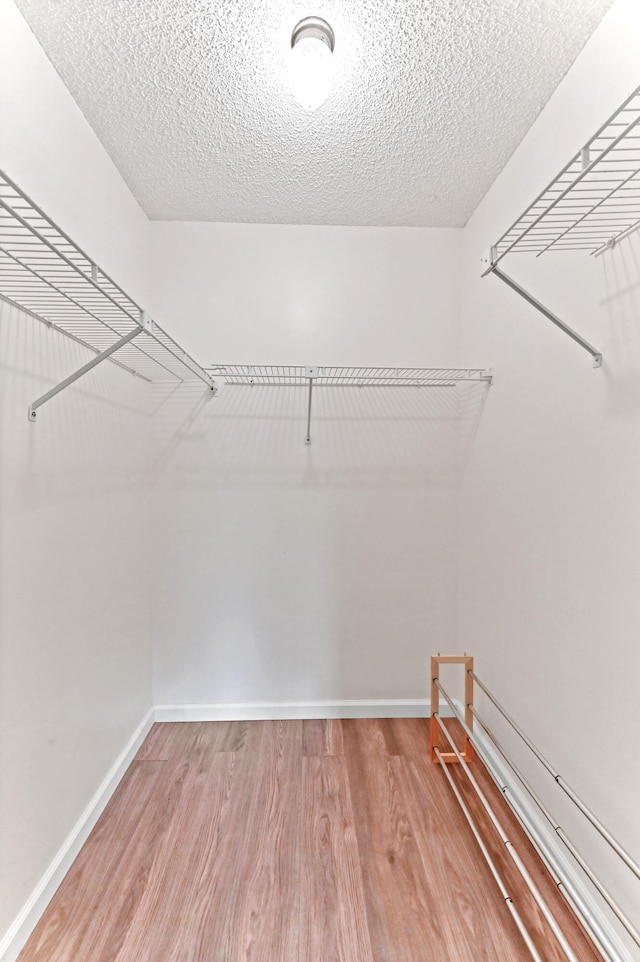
43,272
279,375
593,202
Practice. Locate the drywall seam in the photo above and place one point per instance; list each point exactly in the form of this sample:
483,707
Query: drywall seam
26,920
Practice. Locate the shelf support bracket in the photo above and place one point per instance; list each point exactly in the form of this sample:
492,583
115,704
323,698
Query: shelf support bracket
311,374
530,299
33,408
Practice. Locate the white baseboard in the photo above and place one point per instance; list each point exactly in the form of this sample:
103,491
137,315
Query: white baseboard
254,711
14,939
544,837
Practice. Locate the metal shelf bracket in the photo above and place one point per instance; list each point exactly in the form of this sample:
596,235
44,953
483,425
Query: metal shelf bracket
311,373
591,205
490,266
98,359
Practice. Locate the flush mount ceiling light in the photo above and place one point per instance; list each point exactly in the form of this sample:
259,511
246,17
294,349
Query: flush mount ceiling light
312,43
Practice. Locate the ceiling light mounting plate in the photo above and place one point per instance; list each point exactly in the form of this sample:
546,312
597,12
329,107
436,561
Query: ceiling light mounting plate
314,28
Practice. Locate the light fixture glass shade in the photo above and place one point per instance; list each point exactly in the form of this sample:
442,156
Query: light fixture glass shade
311,64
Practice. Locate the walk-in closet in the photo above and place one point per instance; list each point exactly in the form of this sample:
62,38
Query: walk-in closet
319,481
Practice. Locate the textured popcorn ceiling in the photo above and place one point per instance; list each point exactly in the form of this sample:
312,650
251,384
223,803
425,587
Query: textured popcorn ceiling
191,100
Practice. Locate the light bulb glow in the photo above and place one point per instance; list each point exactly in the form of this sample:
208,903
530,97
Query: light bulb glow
311,63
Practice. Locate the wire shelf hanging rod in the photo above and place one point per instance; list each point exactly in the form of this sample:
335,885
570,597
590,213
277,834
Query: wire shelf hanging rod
575,798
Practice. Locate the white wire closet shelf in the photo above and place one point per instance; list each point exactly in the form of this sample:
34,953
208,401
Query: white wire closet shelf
290,375
287,375
592,204
43,272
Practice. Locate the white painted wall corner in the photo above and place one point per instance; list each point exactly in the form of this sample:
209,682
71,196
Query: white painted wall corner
14,939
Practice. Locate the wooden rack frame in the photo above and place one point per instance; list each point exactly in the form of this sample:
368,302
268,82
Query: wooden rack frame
467,748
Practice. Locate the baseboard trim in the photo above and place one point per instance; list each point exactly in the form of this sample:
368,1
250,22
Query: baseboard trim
14,939
258,711
538,829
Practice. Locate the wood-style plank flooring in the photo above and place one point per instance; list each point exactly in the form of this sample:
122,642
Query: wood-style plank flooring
292,841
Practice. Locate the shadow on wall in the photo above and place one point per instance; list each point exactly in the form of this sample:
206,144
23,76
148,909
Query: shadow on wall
361,436
621,273
295,572
86,440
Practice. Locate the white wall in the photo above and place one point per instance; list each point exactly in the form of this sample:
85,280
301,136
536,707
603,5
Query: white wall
75,672
295,573
550,518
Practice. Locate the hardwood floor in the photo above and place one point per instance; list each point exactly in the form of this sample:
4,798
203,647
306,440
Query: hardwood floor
292,841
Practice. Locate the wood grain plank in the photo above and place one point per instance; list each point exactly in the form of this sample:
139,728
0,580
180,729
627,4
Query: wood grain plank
107,896
407,736
401,904
260,855
156,745
333,925
322,736
363,736
276,737
265,924
192,891
78,907
472,916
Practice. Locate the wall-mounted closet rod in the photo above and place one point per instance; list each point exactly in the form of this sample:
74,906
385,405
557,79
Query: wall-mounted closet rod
531,885
586,811
487,857
562,835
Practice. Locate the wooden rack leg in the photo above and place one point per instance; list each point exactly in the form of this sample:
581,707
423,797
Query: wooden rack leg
467,748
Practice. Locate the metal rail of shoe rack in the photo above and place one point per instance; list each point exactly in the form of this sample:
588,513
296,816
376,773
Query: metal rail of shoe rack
480,740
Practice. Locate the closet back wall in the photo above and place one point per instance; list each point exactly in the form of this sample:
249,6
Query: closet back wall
294,573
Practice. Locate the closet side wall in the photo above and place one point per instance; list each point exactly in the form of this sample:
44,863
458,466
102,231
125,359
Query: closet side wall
290,573
550,504
75,661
